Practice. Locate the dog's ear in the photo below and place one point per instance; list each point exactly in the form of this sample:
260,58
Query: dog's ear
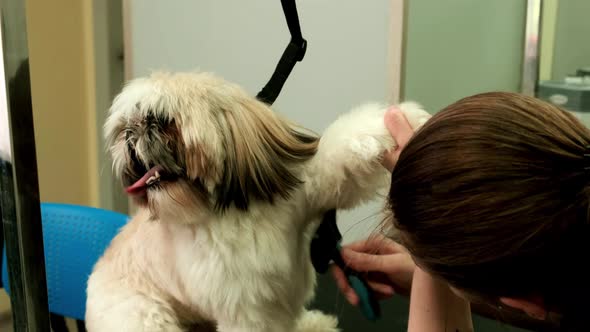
196,163
261,152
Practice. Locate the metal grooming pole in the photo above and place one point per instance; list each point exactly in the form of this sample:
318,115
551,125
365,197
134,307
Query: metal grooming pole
19,187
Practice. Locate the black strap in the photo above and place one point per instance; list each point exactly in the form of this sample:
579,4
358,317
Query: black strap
325,245
325,241
294,53
290,10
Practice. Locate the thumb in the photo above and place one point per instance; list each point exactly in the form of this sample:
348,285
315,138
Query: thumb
362,262
398,126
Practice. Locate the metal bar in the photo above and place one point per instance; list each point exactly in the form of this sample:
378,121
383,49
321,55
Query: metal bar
530,63
19,195
396,48
109,77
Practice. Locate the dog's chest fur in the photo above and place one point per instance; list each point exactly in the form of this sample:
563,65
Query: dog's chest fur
222,263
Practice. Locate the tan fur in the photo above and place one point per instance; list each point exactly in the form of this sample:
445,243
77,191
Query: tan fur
263,149
224,236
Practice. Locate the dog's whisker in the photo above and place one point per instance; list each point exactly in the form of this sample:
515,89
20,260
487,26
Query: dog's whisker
360,222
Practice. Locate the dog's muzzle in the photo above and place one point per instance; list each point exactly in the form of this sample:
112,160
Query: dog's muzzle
152,177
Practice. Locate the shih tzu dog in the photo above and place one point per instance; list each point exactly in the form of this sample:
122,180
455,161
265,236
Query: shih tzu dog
229,195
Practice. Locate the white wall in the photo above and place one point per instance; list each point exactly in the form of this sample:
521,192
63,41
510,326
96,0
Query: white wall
346,62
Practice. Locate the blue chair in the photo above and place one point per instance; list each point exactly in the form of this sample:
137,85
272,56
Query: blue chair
74,238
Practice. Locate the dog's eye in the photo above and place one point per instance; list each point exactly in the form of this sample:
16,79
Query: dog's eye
137,166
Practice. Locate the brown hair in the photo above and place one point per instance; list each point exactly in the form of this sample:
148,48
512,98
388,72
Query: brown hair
492,195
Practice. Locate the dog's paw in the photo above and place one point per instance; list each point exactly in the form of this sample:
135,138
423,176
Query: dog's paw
316,321
415,114
366,148
158,319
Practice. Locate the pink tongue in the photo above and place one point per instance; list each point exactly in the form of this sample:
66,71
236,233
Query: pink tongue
141,184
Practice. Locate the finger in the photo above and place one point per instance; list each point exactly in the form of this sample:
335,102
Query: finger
369,244
386,264
377,245
397,282
399,128
362,262
344,286
381,288
381,293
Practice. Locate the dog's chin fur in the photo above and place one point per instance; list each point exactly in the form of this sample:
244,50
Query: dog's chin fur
222,240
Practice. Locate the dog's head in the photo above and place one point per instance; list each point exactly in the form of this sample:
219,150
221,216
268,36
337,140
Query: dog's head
180,141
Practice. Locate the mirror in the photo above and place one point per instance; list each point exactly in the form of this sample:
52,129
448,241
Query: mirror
564,62
60,75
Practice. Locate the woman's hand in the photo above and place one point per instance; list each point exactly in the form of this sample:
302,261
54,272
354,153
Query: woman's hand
388,265
400,130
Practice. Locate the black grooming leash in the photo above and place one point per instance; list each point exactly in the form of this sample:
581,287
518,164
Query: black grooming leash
325,246
294,53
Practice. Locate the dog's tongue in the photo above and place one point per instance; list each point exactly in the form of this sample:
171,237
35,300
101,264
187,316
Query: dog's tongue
141,185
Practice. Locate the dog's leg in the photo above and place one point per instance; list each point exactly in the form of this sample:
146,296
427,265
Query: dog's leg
347,170
132,313
262,327
316,321
309,321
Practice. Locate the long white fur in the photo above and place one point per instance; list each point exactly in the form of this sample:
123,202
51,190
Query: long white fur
243,271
